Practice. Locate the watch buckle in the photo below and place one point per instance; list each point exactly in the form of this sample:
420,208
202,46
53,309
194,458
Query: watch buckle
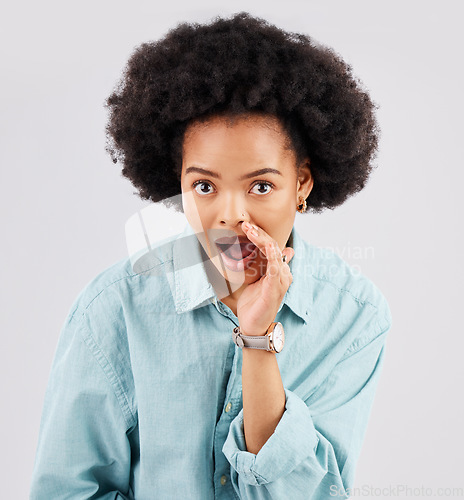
237,337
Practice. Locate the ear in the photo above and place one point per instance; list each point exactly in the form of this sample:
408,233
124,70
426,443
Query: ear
305,180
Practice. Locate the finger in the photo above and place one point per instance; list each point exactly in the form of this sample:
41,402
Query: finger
274,260
289,252
257,236
260,238
278,270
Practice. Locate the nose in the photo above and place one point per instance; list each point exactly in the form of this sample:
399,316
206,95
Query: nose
232,213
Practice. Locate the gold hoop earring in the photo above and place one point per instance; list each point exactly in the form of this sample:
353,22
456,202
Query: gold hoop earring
302,206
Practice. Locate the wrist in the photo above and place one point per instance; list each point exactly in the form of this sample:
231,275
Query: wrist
255,333
246,334
272,340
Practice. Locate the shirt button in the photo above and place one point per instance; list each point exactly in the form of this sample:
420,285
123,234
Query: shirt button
228,407
223,480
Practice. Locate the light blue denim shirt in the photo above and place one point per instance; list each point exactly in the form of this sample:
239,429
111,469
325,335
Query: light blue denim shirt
144,398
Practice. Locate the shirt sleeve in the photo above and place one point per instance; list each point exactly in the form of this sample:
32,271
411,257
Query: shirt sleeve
313,451
83,450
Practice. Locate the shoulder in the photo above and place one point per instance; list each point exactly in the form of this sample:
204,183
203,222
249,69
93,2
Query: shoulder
110,291
348,303
333,271
103,287
108,308
107,317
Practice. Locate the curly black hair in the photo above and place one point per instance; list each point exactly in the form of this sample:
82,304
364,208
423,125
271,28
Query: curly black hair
236,67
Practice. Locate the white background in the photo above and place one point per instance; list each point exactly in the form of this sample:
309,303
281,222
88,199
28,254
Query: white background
64,205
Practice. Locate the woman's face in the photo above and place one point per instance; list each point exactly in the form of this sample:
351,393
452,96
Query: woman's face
224,183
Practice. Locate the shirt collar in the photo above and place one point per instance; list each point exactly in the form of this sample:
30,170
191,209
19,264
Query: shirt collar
192,288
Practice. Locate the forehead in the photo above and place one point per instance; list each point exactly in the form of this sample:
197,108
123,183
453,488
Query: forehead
254,136
251,121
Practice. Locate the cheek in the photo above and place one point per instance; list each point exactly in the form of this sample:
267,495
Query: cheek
200,218
190,210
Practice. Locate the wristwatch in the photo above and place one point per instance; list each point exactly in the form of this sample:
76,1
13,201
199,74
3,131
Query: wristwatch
273,340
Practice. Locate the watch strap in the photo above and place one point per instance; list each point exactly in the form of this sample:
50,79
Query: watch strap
251,341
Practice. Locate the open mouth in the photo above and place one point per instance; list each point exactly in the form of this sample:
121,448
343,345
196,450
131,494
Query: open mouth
237,251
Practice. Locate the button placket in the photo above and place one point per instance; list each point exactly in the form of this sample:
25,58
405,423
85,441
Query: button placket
231,405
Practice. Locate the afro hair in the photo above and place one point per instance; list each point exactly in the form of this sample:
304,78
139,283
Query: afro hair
239,66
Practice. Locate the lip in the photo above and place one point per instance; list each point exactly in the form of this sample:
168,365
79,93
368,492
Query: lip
232,239
225,242
239,265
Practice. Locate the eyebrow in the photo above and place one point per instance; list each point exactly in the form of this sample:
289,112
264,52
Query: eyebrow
262,171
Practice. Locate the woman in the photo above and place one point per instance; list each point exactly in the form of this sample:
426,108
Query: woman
252,374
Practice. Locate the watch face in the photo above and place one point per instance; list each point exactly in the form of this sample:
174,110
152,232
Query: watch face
278,337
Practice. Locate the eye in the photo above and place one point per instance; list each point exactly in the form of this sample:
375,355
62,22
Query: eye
203,190
264,183
198,183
